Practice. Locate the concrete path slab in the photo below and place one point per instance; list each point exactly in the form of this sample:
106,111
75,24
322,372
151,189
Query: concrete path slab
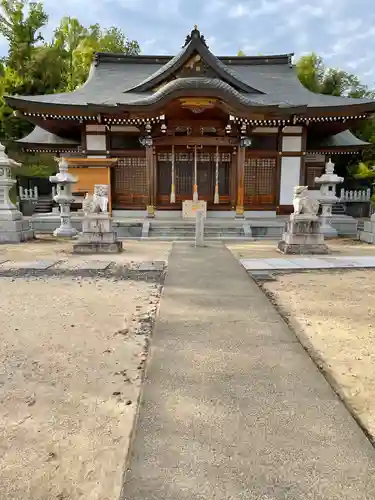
233,408
296,262
91,265
251,264
337,262
312,263
38,265
283,264
157,265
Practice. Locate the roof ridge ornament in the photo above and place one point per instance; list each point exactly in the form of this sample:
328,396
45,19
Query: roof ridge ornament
195,35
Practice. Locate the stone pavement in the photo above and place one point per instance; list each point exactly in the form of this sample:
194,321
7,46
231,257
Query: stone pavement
74,265
233,408
301,263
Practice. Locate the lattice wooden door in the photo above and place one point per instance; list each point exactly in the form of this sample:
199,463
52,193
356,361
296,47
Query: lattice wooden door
313,170
184,166
129,183
260,182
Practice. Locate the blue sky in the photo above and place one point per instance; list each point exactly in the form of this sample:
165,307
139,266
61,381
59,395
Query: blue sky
342,31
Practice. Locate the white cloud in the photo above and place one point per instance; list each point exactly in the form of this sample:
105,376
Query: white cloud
262,8
341,31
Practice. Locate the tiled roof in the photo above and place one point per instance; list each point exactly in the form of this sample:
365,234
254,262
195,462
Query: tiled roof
343,140
120,79
42,137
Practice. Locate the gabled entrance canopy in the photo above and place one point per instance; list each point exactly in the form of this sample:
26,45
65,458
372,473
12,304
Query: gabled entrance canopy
195,60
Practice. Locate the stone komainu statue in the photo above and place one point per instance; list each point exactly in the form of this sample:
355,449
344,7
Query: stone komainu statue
302,202
98,202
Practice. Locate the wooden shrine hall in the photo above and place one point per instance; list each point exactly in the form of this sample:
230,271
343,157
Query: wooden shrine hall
235,132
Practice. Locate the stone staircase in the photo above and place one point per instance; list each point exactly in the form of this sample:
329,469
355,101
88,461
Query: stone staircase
44,205
185,230
338,209
215,230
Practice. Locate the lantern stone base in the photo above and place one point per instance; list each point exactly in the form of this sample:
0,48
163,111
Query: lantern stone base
303,236
97,235
91,248
368,233
13,228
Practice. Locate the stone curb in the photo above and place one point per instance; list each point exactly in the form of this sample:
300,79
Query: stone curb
112,272
320,362
134,427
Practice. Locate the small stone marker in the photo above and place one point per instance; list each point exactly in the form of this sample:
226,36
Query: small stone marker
199,228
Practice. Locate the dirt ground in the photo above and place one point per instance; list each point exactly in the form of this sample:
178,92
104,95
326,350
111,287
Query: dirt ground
70,374
267,249
48,247
336,312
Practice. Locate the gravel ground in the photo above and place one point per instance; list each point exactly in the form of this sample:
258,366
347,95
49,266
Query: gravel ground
334,315
71,363
48,247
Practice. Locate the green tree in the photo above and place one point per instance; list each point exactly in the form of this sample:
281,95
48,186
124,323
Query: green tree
67,38
315,76
98,40
20,24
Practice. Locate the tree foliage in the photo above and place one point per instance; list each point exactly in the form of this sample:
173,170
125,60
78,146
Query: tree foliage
35,66
318,78
315,76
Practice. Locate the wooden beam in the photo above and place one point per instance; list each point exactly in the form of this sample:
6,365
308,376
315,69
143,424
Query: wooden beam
90,162
195,141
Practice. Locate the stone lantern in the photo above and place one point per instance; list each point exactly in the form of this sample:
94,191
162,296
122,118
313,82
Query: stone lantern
64,197
327,197
13,228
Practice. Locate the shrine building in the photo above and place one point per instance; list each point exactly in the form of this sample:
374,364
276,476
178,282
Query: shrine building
236,132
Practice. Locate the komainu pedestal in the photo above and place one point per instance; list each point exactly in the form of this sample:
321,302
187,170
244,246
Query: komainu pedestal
97,235
303,236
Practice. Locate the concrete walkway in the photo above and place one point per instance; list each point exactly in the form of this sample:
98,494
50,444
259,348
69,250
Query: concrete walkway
293,262
233,408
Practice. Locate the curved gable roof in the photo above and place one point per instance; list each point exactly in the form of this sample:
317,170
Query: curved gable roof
195,44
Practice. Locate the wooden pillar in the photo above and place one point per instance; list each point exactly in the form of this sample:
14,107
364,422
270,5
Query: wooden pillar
151,179
109,190
233,179
154,178
303,159
241,182
216,196
195,175
173,179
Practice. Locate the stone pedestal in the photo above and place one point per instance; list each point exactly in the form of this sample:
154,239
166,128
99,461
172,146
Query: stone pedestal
97,235
326,218
13,228
303,236
368,233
